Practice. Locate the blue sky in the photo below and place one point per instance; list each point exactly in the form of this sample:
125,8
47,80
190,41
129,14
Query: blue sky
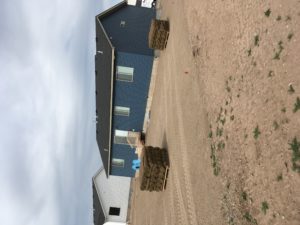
47,111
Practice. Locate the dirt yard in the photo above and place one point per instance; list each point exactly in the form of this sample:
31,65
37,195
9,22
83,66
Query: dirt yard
225,106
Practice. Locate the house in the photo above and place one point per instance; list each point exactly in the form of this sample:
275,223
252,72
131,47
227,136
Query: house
123,66
110,198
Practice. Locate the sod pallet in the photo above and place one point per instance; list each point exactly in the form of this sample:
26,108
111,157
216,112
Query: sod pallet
154,169
158,34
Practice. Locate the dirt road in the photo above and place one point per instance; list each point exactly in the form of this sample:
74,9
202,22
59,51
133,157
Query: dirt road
224,106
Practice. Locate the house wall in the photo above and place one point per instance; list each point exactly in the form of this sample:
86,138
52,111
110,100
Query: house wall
113,192
133,95
133,36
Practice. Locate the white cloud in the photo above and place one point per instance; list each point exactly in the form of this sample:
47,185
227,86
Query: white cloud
47,136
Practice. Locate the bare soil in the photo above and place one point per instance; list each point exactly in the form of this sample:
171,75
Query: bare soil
223,106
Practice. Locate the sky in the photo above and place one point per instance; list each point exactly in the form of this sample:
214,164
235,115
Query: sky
47,111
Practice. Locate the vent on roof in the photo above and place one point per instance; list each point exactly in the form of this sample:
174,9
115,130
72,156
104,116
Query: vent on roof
122,24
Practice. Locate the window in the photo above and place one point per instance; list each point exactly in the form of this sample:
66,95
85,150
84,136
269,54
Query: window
121,111
113,211
124,73
118,162
121,137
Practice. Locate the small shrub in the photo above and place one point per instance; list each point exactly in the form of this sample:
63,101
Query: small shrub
244,196
232,117
288,17
268,13
296,105
264,207
278,18
256,132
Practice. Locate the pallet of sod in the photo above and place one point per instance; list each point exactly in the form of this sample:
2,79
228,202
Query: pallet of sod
154,169
158,34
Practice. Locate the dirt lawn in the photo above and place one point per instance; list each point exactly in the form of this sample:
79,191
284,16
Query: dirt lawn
225,107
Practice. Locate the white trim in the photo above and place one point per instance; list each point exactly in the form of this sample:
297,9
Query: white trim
111,100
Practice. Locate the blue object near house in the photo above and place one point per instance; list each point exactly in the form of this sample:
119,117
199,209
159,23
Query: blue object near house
123,67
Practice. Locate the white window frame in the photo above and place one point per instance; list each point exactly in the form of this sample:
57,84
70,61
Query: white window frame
122,134
122,72
121,161
121,111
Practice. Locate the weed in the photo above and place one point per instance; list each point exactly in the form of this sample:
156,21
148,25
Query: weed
238,95
246,136
291,89
228,185
256,132
214,161
219,131
275,125
280,48
232,117
256,40
271,73
295,147
296,105
276,56
264,207
288,17
254,63
210,134
278,18
230,77
290,36
267,13
249,52
279,177
223,121
244,196
283,110
226,103
221,145
250,218
228,89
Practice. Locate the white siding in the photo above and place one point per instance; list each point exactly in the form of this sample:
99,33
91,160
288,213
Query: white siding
114,192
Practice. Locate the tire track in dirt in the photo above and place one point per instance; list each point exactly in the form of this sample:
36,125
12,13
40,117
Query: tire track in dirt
183,159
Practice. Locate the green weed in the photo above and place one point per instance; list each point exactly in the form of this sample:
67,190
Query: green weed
264,207
275,125
290,36
279,177
250,218
291,89
256,40
256,132
296,105
268,13
295,147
